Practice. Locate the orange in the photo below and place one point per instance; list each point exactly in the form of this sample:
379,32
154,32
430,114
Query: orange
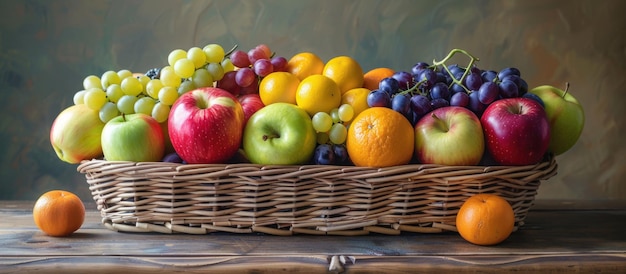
305,64
345,71
279,87
373,77
59,213
357,98
380,137
485,219
318,93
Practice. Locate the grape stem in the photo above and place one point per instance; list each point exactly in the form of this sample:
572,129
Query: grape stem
231,50
442,63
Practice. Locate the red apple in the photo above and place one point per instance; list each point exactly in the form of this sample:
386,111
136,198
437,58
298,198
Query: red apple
449,136
517,131
250,104
205,125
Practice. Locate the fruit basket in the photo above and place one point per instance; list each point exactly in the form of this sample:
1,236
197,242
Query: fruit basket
300,199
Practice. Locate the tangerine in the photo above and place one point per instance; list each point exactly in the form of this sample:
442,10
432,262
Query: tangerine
345,71
279,87
318,93
357,98
305,64
59,213
380,137
373,77
485,219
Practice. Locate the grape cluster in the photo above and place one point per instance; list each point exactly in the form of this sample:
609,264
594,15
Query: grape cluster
331,135
252,66
154,92
428,87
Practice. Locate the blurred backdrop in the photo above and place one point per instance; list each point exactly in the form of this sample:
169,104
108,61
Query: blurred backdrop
48,47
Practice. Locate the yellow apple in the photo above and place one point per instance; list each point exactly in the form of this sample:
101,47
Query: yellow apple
75,134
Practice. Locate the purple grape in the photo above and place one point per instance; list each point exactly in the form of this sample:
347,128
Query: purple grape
440,90
533,96
172,158
378,98
279,63
473,81
460,99
401,103
420,104
455,69
417,68
389,85
263,67
428,76
324,155
488,92
513,78
508,71
475,105
245,77
456,88
405,79
441,77
523,87
240,59
341,154
439,103
475,69
508,89
489,75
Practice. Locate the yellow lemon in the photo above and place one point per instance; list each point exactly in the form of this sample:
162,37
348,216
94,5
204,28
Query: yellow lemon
318,93
345,71
305,64
278,87
357,98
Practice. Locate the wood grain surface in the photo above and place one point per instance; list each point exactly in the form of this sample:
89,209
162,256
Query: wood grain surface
558,237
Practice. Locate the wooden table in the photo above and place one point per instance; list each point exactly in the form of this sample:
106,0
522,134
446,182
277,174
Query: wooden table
557,237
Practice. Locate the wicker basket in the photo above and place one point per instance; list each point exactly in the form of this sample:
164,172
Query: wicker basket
310,199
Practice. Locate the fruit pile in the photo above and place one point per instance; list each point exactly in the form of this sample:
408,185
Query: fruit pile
208,105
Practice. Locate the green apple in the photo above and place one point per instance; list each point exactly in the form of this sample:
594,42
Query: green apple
279,134
75,134
565,115
135,137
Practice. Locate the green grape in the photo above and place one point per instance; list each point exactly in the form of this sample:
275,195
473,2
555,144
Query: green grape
79,97
160,112
126,104
227,65
322,138
168,95
197,56
143,79
185,87
124,74
153,87
184,68
322,122
202,78
131,86
95,98
144,105
216,70
92,81
169,78
334,114
345,112
175,55
214,53
108,112
109,78
337,134
114,92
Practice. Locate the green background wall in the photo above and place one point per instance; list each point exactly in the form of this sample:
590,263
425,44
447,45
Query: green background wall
48,47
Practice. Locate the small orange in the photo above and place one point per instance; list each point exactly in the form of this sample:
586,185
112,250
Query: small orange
380,137
345,71
373,77
485,219
357,98
305,64
318,93
59,213
279,87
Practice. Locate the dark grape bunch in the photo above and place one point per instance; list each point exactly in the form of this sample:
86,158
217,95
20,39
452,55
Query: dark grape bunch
331,154
428,87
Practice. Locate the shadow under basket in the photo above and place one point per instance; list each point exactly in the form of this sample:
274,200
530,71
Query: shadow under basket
310,199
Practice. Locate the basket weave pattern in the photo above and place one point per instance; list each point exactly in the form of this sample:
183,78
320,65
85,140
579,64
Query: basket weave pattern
310,199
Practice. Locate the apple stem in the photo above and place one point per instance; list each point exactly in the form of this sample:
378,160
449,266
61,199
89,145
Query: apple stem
123,116
265,137
566,89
